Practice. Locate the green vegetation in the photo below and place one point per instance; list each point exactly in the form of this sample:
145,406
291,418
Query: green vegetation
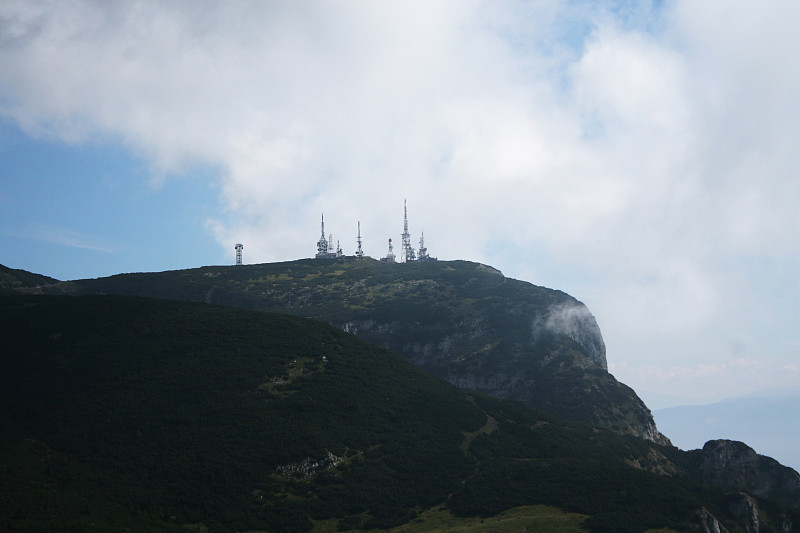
459,320
531,519
125,413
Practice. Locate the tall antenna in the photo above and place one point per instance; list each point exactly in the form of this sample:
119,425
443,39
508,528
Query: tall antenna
423,252
406,252
322,243
239,253
359,252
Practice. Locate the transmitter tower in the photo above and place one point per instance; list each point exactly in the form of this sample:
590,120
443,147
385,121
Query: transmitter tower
322,243
239,248
423,252
389,256
359,251
406,252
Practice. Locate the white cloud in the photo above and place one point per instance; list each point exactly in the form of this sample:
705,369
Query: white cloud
644,155
66,237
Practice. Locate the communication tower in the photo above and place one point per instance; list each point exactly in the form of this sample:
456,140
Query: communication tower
390,256
423,252
322,243
239,253
359,251
406,252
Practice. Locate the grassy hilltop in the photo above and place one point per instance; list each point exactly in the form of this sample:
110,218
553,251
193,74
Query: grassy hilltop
462,321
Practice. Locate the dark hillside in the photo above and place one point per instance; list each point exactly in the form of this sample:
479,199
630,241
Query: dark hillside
462,321
16,279
124,413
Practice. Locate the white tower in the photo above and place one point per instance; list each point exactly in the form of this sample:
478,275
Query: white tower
359,252
423,252
406,252
239,253
322,243
390,256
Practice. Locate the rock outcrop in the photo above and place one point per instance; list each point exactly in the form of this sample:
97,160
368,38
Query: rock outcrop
745,509
734,466
708,522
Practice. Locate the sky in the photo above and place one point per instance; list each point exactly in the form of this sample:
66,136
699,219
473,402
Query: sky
640,156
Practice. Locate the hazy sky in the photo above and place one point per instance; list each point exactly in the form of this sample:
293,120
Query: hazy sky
641,157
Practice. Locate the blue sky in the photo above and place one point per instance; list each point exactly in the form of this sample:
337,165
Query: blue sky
88,210
640,156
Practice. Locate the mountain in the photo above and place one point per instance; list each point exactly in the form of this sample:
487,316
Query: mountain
122,413
769,422
462,321
732,465
16,279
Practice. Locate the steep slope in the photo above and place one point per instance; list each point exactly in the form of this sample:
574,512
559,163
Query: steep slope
121,413
463,321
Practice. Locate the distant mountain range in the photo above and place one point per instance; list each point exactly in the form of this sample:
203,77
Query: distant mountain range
121,412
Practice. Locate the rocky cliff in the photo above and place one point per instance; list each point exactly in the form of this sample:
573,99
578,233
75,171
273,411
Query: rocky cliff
733,465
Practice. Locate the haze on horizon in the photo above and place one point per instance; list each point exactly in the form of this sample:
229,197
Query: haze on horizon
639,156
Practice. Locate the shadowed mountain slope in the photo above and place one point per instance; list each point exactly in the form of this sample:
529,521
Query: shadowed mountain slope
462,321
17,279
123,413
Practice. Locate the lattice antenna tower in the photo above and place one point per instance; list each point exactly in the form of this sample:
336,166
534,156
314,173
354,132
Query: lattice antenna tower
423,252
406,252
322,243
239,248
359,251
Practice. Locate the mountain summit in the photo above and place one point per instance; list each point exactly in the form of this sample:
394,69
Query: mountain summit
463,321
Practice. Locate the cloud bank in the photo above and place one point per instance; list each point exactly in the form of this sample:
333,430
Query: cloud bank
642,158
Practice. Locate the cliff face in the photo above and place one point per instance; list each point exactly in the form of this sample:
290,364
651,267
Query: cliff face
463,321
732,465
576,323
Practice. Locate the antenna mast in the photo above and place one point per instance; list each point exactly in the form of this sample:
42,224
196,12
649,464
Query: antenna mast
390,256
322,243
359,252
239,253
406,252
423,252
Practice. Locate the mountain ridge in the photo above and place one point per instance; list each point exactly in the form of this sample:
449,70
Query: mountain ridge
460,320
